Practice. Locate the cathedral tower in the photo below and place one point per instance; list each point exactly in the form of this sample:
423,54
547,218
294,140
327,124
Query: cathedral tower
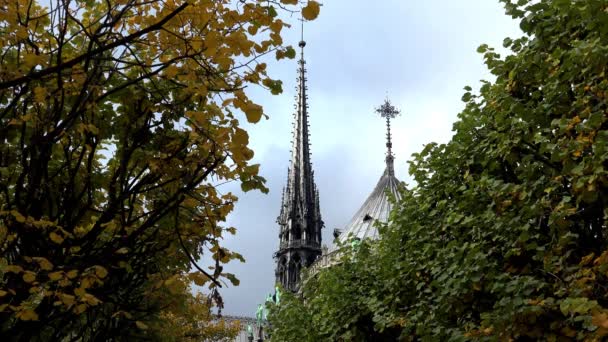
299,221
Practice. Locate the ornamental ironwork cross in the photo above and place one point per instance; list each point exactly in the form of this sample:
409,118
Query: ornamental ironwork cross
388,111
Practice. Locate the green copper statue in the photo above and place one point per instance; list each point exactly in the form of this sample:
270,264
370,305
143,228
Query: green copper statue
355,243
277,295
259,313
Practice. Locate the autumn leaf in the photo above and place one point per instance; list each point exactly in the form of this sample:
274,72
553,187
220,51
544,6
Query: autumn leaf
100,271
67,299
30,60
240,137
54,276
72,274
27,315
44,263
233,279
141,325
80,308
311,10
18,217
56,238
171,71
39,94
29,277
253,112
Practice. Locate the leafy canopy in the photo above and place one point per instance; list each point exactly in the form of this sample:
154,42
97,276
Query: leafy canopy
118,119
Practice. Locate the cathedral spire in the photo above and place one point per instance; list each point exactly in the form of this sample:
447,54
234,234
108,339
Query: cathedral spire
388,111
300,218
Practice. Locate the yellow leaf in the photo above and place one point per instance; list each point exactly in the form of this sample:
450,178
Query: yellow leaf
276,26
54,276
253,112
224,63
72,274
100,272
13,269
252,29
141,325
240,137
31,60
80,308
600,320
171,71
39,94
198,278
56,238
80,292
311,11
27,315
44,263
91,300
586,260
18,217
123,250
67,299
29,277
3,293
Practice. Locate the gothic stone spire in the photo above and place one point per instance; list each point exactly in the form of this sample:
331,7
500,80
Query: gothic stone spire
300,218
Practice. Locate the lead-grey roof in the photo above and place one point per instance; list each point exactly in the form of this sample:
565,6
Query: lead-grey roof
376,207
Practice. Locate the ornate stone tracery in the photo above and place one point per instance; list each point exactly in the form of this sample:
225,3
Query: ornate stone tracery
300,218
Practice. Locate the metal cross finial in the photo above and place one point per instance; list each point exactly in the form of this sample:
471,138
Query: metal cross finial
388,111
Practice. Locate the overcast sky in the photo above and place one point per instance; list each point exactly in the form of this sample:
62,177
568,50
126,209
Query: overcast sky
420,53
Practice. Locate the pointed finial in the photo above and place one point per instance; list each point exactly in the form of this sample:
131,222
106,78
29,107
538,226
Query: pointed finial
388,111
302,43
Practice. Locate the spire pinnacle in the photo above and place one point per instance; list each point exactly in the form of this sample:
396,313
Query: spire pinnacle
388,111
300,216
302,43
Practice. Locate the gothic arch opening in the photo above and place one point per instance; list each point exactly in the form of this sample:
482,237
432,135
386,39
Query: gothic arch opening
297,261
297,232
283,271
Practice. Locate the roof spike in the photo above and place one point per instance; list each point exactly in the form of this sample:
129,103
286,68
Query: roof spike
388,111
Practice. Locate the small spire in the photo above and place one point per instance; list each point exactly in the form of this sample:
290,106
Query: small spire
388,111
302,43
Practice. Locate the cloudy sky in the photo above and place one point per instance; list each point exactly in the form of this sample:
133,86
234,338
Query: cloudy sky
420,53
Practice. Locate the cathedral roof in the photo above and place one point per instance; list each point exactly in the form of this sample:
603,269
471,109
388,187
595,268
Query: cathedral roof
375,208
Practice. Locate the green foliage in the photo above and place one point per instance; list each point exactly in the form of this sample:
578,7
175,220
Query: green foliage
504,235
291,318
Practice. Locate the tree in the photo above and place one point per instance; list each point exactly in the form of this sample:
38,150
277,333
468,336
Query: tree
503,237
118,118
